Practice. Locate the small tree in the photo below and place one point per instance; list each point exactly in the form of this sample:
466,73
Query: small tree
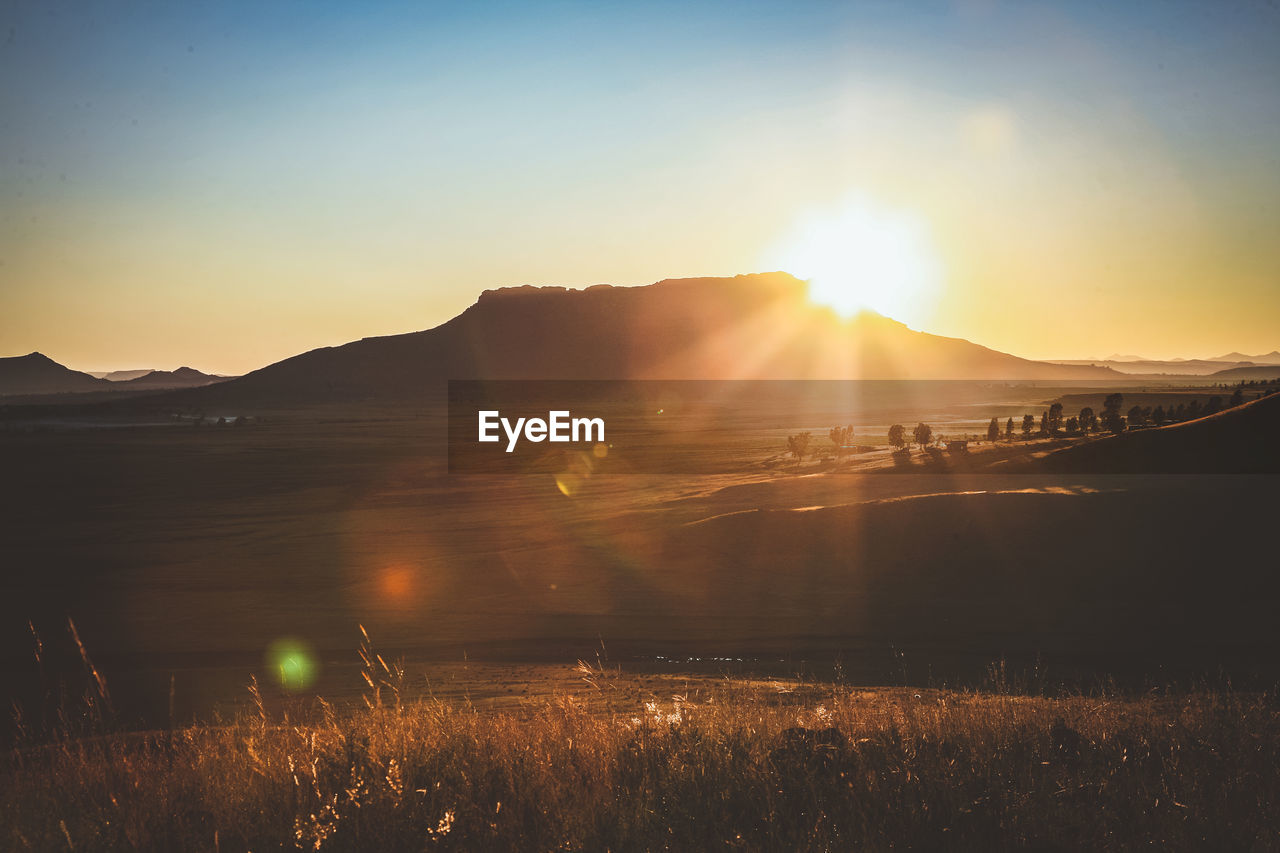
1137,417
1111,417
1073,425
1044,423
841,437
798,444
1028,424
1158,416
993,430
923,434
1055,417
1088,420
1008,429
1237,398
898,436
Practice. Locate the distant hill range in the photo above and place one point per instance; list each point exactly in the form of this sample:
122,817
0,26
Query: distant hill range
1184,367
760,326
121,375
1272,357
38,375
183,377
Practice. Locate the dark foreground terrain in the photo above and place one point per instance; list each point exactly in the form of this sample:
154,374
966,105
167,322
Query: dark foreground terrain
733,766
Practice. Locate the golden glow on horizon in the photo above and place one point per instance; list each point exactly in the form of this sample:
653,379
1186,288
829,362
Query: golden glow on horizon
1036,226
862,255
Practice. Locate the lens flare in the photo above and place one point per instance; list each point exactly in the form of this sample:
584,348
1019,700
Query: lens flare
292,662
396,583
578,469
568,483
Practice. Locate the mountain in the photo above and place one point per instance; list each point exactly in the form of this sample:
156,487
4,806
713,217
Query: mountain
1246,372
1171,367
1135,365
38,374
1272,357
183,377
760,326
125,375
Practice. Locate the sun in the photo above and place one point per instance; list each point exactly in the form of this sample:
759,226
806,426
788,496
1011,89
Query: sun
861,255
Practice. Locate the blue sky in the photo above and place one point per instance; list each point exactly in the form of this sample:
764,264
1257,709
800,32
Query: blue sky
227,184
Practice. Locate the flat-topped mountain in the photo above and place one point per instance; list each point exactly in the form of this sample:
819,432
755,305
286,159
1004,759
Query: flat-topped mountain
123,375
759,326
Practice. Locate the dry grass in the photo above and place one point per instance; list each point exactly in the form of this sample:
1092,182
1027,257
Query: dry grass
727,769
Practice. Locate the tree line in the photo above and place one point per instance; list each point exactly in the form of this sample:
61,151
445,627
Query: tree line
1112,419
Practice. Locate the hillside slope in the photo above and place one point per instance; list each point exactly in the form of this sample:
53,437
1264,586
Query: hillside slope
1236,441
1257,371
36,373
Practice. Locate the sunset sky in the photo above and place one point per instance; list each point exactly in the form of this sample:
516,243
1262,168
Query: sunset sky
225,185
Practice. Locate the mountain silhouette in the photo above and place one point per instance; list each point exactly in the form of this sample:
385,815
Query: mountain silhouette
759,326
1168,367
1272,357
183,377
124,375
1247,372
36,373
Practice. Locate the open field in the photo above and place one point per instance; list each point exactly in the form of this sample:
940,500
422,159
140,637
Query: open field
184,553
738,628
599,758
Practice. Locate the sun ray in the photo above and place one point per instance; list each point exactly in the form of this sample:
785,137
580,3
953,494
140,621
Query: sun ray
861,255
